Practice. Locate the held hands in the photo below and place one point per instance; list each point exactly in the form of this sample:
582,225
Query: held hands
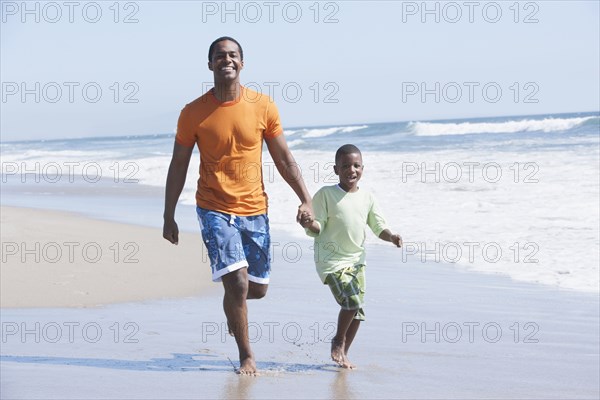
305,214
305,220
309,222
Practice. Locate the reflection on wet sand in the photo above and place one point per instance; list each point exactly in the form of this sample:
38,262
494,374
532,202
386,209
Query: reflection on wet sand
340,386
238,386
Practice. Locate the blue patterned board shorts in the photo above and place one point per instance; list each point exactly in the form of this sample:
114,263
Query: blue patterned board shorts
235,242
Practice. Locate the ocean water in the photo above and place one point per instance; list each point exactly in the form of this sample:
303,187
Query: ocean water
516,196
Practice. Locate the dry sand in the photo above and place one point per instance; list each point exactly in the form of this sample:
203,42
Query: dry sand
58,259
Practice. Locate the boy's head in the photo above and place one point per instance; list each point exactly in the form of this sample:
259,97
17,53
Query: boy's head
348,166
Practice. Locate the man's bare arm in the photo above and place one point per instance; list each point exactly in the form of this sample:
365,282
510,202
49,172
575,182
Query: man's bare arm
291,173
175,182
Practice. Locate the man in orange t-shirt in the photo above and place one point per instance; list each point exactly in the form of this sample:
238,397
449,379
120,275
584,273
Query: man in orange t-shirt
228,125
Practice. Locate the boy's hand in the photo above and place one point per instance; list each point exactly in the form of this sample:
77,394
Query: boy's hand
388,236
397,240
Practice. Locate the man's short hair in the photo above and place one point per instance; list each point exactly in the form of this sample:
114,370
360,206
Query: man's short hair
346,149
211,49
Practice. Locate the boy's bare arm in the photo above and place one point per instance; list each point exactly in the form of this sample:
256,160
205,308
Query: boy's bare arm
388,236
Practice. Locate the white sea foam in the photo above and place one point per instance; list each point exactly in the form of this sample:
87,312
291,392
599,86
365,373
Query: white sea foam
542,238
294,143
526,125
321,132
48,156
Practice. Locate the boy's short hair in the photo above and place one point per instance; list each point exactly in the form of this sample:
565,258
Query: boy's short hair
221,39
346,149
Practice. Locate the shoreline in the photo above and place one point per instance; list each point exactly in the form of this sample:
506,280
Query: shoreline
69,266
62,259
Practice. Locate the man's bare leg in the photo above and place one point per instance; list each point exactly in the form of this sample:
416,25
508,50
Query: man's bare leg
338,343
255,291
234,303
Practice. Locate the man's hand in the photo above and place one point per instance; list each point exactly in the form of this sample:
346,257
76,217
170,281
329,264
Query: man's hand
171,231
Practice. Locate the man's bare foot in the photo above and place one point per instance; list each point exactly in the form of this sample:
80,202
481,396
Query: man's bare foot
337,352
247,367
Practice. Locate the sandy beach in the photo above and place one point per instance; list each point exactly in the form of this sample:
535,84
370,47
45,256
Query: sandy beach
58,259
432,330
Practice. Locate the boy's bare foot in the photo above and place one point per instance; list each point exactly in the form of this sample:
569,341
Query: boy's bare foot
347,363
247,367
337,352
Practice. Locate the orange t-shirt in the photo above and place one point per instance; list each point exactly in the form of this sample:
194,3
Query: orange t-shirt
230,137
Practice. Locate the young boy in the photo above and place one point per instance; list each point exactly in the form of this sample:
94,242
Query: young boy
341,214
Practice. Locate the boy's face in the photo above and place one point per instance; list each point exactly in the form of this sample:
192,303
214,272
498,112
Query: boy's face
349,167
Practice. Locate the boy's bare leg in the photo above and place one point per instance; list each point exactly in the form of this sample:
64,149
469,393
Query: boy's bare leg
350,334
338,343
234,303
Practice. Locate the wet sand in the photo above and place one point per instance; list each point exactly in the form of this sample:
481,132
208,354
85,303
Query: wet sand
432,331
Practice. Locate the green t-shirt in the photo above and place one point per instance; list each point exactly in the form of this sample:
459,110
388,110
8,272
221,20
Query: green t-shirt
343,218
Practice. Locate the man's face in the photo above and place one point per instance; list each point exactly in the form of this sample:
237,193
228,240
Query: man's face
349,168
226,62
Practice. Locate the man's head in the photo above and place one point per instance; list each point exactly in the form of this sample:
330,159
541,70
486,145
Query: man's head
348,166
225,59
211,49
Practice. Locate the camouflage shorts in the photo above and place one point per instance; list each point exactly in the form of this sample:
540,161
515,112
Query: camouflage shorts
348,288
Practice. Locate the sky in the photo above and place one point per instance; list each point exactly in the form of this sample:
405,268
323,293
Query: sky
108,68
